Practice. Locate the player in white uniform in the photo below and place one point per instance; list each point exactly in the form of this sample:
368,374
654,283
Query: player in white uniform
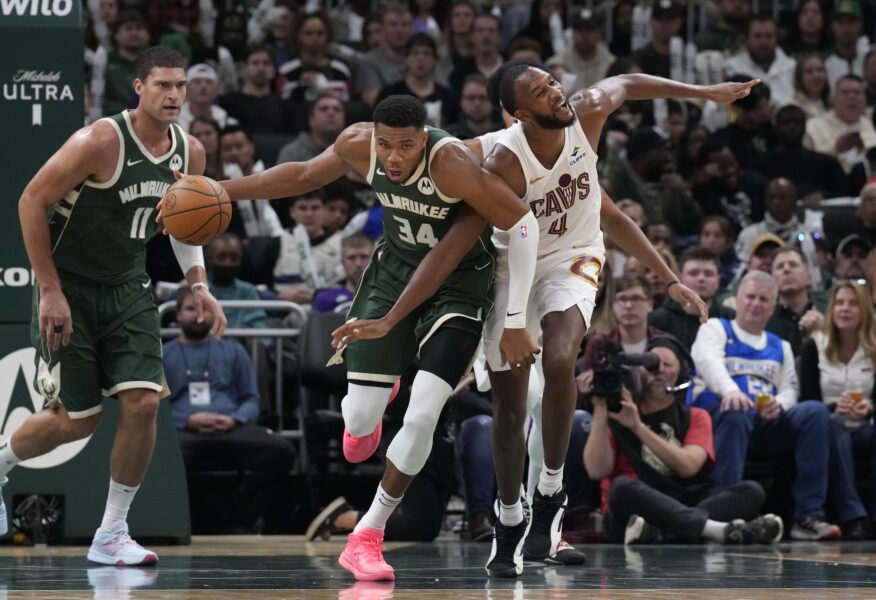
547,158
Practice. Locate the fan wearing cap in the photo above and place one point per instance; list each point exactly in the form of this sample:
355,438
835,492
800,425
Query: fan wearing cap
762,251
588,58
866,212
764,59
654,456
846,25
666,21
851,258
203,90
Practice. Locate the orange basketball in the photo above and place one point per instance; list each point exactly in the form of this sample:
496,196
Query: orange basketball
196,210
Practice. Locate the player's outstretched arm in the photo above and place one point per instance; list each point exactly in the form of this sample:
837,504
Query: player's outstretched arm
432,272
626,234
350,151
80,158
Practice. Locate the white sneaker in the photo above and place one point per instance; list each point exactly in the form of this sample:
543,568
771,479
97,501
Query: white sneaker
4,523
115,547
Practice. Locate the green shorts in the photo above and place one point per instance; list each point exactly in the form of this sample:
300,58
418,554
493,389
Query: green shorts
115,346
463,302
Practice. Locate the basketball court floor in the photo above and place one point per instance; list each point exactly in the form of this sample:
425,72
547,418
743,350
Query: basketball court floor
271,568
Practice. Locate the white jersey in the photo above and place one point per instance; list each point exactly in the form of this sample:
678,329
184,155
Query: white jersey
565,199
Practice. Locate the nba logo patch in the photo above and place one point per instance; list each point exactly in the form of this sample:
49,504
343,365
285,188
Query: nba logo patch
523,232
176,162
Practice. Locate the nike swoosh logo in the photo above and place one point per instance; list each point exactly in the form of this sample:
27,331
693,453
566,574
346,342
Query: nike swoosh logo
147,284
513,314
131,163
482,267
380,171
534,179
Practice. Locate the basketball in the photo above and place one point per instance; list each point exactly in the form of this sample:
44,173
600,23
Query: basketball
196,210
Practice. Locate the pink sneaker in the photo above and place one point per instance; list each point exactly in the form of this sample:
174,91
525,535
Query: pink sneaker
357,449
363,557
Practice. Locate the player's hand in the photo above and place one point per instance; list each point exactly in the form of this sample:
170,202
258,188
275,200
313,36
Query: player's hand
205,302
772,411
56,324
518,349
690,301
736,400
728,92
360,329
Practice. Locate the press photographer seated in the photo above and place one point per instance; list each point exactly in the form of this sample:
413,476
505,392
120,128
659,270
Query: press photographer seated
653,454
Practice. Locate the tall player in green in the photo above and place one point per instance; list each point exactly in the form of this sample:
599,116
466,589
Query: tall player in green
428,182
95,325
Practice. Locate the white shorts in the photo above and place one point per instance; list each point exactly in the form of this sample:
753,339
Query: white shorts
562,279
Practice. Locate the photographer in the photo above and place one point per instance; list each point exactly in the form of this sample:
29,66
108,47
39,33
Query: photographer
653,454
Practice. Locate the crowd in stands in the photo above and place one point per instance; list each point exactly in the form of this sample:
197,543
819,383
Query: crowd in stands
766,208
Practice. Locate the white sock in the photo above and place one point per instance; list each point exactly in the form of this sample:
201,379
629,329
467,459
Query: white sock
511,514
7,458
550,481
381,507
714,531
118,503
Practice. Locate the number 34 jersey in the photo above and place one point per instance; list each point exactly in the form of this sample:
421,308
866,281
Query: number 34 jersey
99,231
416,214
565,198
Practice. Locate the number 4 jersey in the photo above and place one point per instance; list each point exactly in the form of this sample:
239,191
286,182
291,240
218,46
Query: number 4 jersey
99,230
416,214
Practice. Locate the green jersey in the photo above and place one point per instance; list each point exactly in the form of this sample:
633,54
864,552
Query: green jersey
99,230
416,214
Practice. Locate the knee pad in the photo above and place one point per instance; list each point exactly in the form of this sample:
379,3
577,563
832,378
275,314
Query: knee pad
410,448
363,407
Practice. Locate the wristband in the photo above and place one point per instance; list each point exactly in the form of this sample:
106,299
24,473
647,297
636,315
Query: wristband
672,283
200,283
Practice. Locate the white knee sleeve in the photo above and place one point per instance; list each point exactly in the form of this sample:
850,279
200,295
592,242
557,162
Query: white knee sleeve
412,445
363,407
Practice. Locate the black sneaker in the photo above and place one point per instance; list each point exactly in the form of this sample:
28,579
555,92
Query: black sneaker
815,528
767,529
547,525
506,556
639,531
566,554
323,523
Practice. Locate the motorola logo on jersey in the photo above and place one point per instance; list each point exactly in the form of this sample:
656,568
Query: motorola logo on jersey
176,162
424,186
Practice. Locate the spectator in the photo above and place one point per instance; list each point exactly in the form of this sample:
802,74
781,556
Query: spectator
722,188
780,218
215,406
325,120
426,17
762,251
728,33
256,106
846,25
716,236
738,360
699,271
621,28
870,78
763,59
836,366
631,305
223,258
312,70
514,19
340,196
749,134
207,131
528,50
659,292
421,58
308,259
356,253
385,64
823,176
281,35
660,233
851,258
811,90
256,218
201,93
666,21
799,311
547,22
130,38
845,131
587,58
485,57
476,111
866,212
457,33
653,457
226,54
810,34
639,175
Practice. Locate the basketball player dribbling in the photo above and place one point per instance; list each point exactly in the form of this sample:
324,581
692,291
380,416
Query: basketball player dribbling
547,158
95,325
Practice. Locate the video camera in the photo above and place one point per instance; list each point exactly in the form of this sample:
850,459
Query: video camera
613,369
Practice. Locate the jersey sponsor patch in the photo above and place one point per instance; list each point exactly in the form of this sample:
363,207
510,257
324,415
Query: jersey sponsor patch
176,162
424,186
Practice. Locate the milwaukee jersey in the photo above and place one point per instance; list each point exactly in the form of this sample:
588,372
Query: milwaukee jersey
565,198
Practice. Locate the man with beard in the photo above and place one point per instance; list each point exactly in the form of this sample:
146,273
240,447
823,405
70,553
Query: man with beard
653,456
355,253
547,159
215,404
